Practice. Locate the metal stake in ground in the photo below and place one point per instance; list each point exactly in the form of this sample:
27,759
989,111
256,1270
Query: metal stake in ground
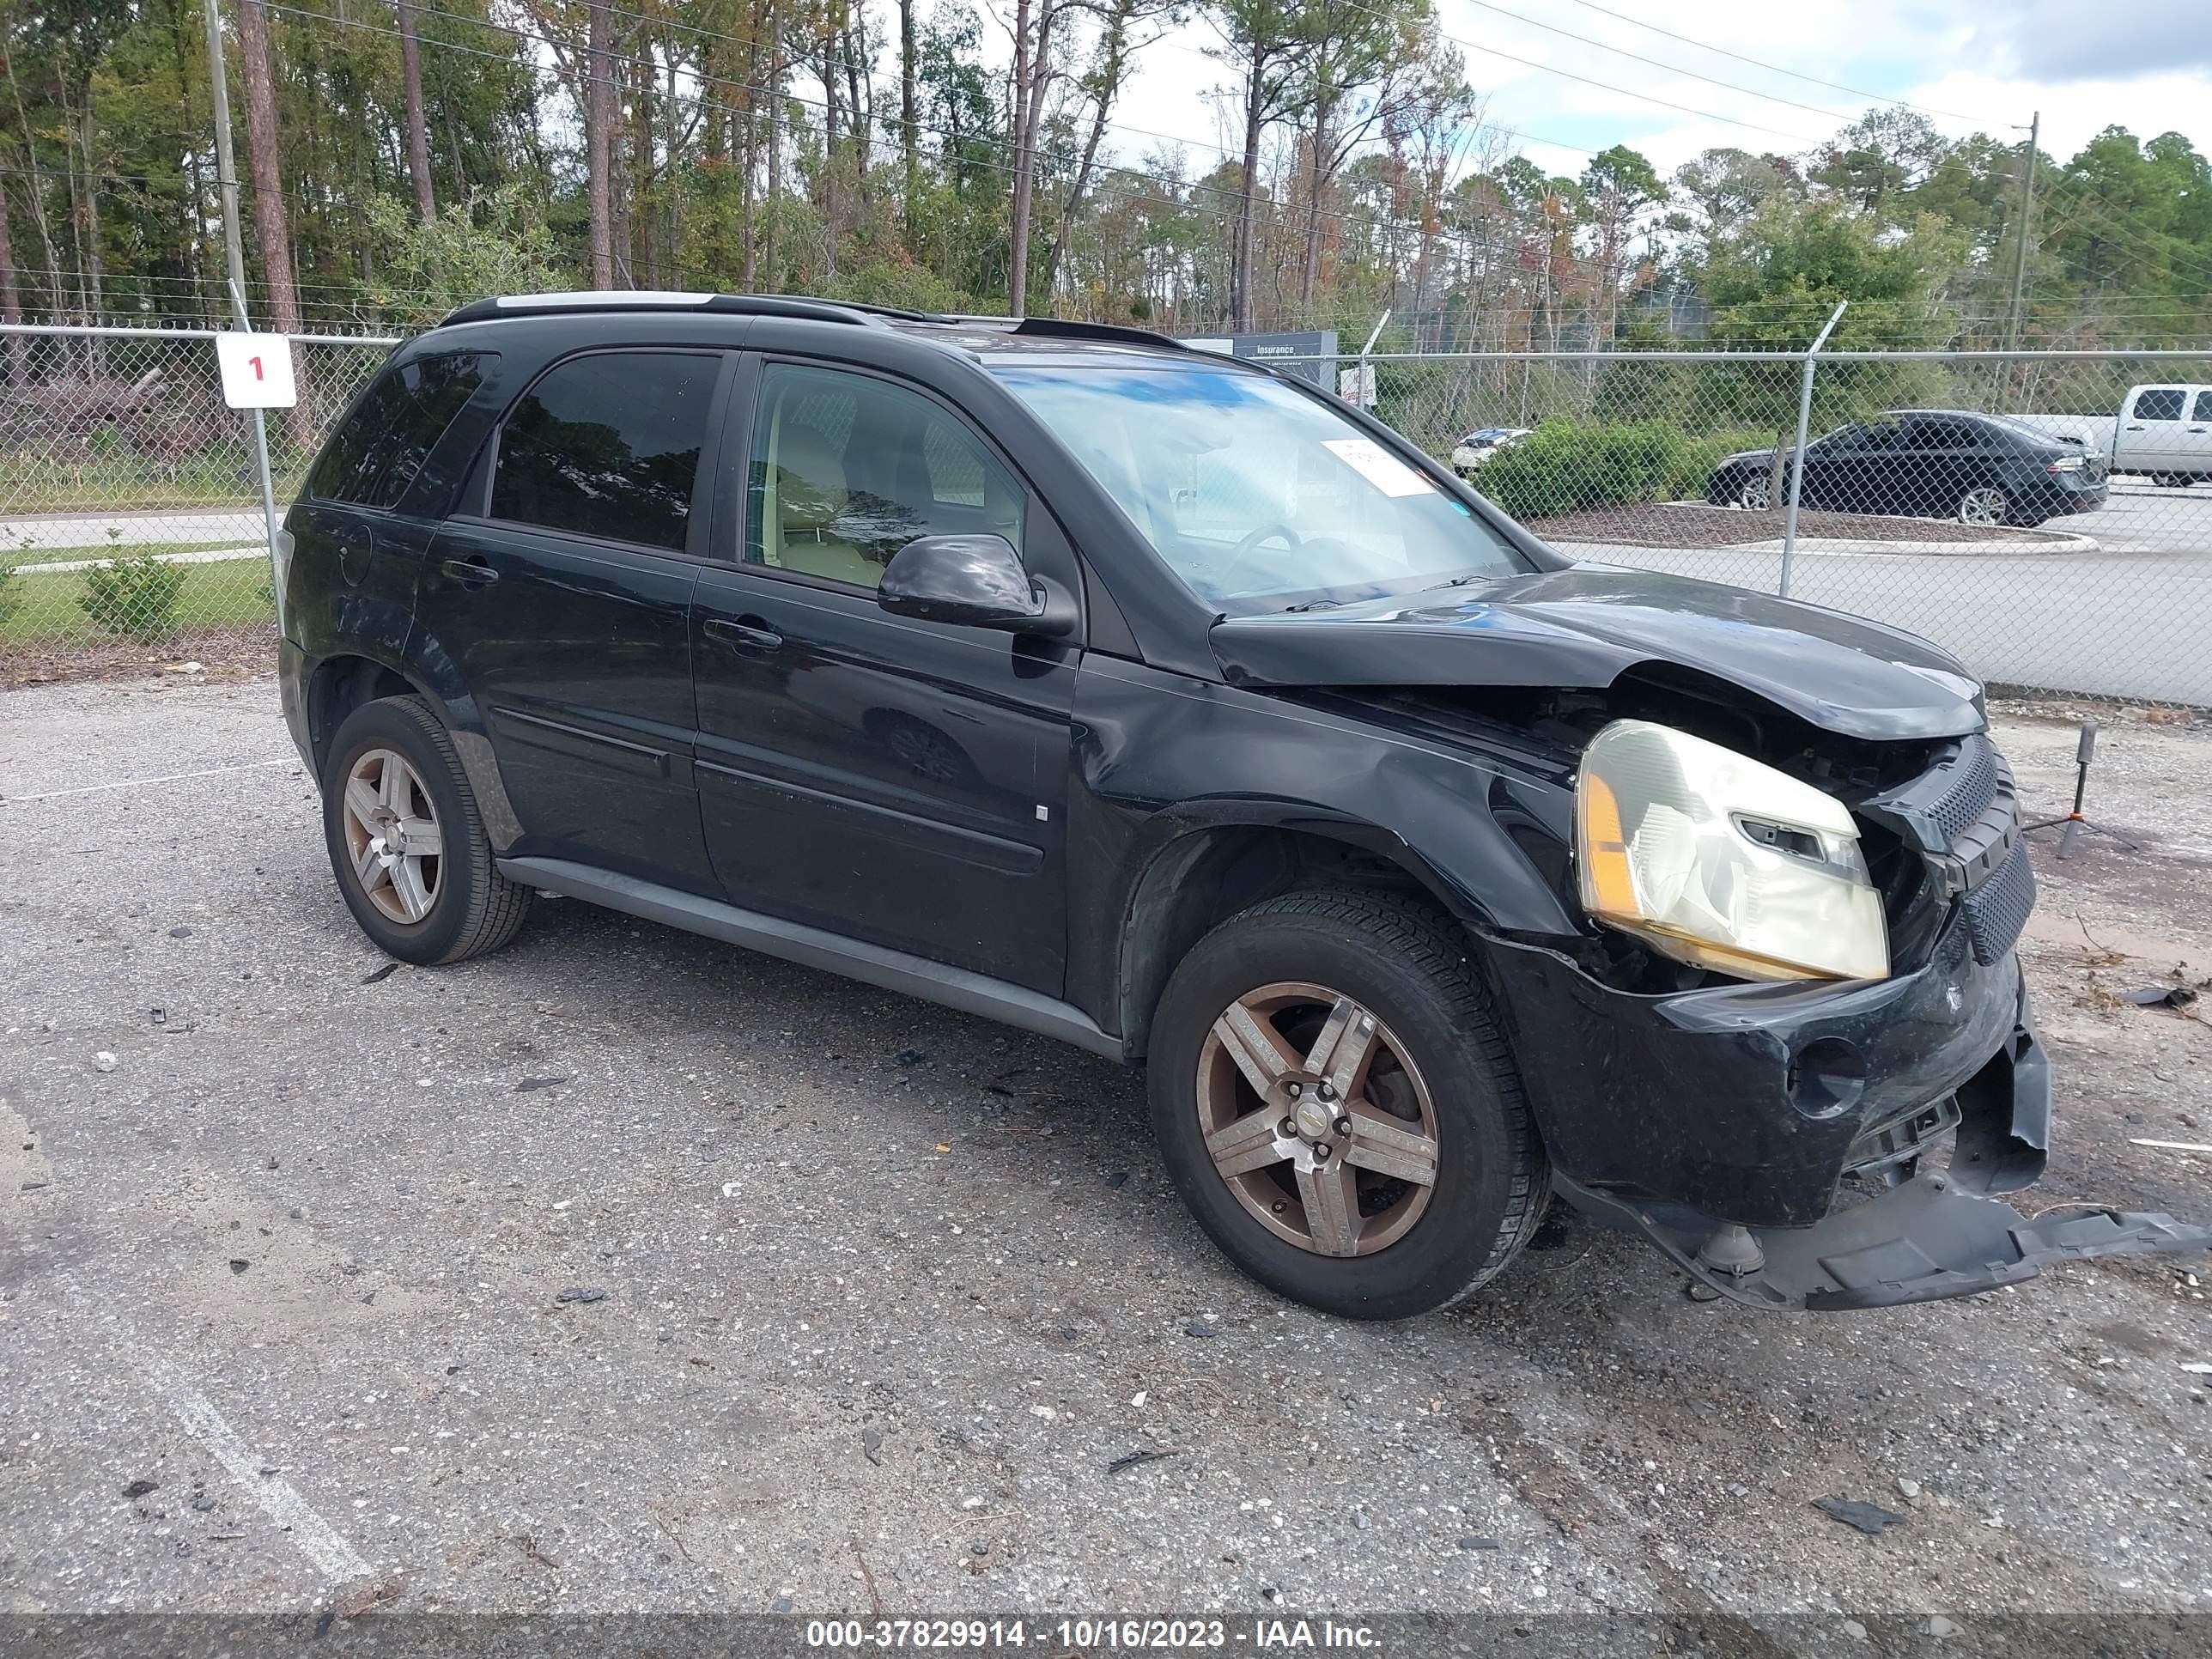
1797,460
2076,823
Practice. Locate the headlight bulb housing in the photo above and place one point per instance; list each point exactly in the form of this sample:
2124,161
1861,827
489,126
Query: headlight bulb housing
1721,861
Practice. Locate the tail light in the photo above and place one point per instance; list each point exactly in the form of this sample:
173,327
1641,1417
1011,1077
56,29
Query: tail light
2065,463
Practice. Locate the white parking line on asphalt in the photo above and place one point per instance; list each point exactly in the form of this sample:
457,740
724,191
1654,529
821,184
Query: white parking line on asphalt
140,783
197,1415
315,1536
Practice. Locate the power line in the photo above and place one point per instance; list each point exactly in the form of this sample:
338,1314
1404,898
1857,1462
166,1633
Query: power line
1777,68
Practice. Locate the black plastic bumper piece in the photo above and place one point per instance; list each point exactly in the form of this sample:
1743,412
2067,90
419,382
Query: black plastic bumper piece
1920,1241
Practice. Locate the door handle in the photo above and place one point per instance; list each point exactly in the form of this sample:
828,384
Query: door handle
2136,427
751,637
469,573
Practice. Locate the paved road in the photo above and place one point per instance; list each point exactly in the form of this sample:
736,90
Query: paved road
183,524
2133,626
870,1297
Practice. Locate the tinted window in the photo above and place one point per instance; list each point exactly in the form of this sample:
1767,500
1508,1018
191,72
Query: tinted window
608,446
2203,407
848,469
1931,434
2160,403
375,455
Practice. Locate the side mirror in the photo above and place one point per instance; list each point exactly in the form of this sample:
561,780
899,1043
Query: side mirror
978,580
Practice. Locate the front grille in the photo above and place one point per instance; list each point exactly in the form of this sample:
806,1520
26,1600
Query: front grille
1998,909
1967,784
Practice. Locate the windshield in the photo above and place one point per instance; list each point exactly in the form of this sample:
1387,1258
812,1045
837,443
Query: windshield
1253,493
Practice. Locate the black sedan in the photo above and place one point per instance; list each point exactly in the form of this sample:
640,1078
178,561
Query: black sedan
1926,463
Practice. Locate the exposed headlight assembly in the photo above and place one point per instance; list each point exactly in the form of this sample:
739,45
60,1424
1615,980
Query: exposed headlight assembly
1720,861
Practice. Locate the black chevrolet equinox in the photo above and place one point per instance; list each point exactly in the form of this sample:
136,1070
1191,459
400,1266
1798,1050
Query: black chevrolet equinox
1165,704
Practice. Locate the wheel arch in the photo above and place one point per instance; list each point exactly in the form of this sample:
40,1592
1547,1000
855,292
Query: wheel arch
1206,871
345,681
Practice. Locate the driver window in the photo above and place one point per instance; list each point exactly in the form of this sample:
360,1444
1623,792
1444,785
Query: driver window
848,469
1881,435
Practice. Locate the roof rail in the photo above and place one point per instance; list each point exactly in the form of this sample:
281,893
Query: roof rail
744,305
1061,329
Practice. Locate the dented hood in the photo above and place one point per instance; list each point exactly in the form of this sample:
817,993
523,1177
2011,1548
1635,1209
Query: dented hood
1586,625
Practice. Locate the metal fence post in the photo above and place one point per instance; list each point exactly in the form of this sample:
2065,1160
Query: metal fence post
1797,460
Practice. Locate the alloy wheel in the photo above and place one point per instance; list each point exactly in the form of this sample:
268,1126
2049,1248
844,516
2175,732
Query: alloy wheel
392,838
1317,1118
1986,506
1755,494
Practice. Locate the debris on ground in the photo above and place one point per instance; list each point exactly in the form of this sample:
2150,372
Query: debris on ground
872,1444
529,1085
378,976
103,1061
1869,1518
582,1293
1132,1460
1474,1542
140,1488
238,1264
2158,996
908,1059
1199,1327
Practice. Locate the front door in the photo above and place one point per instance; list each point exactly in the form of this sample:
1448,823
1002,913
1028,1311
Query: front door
895,781
562,597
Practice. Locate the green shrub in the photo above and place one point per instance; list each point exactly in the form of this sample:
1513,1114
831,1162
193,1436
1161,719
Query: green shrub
11,594
1564,466
136,596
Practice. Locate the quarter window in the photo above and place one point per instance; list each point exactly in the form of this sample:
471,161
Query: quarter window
2203,407
375,455
608,446
846,469
2160,403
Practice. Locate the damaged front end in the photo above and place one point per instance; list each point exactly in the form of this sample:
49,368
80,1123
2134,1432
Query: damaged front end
1827,1144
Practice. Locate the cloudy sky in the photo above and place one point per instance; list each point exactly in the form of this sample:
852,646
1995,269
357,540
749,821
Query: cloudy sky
1969,64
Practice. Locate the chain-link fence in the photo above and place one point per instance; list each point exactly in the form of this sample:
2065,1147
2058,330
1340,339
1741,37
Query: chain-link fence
2035,513
131,518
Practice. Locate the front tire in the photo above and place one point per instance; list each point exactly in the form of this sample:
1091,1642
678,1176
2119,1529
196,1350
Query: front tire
1388,1166
406,842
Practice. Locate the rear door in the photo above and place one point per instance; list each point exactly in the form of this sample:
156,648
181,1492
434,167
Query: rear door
2150,438
562,591
895,781
2195,439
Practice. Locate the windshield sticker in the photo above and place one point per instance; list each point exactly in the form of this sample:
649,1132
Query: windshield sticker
1378,465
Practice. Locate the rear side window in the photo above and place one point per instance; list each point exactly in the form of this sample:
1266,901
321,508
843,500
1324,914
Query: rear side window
376,454
2160,403
2203,407
608,446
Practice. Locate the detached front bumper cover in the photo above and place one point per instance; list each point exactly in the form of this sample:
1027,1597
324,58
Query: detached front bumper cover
1920,1241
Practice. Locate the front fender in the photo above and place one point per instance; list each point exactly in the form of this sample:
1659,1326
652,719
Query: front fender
1161,758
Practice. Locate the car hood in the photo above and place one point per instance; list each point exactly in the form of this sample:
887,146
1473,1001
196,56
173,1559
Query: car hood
1586,625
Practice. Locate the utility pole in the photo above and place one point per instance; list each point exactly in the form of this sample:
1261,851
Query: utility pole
2027,215
226,173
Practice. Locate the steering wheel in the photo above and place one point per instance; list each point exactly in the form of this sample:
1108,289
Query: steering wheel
1245,549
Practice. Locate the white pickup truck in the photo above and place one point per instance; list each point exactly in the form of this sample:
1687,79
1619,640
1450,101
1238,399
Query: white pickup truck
2163,433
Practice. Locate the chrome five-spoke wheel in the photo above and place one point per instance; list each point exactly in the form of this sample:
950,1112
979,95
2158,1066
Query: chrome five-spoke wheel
393,837
1317,1118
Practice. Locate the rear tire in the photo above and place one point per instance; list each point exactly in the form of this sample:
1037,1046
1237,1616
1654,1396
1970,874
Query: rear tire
421,908
1438,1071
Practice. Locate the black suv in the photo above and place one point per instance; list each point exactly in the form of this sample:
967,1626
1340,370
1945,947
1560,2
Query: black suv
1164,704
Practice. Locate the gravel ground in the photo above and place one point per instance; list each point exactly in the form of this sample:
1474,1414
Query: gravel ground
627,1270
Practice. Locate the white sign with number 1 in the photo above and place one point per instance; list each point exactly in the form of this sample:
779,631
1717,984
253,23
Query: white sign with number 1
257,370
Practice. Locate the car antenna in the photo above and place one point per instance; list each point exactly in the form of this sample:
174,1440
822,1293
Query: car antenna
2074,821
